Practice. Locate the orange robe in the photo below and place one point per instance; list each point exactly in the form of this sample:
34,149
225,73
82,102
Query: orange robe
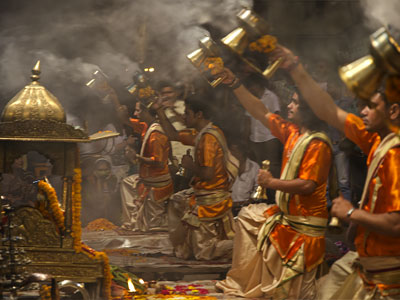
388,196
204,230
209,154
315,166
284,265
157,148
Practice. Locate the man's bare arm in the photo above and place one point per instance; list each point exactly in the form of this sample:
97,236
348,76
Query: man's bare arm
294,186
169,129
319,100
386,223
250,102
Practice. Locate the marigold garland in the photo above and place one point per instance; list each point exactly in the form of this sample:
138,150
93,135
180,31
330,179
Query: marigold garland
45,292
77,233
102,256
265,44
213,64
76,229
146,92
76,209
56,211
180,297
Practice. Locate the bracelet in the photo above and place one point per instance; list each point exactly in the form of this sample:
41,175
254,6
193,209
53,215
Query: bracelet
294,64
235,83
351,210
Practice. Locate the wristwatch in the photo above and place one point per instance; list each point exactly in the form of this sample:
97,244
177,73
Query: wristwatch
351,210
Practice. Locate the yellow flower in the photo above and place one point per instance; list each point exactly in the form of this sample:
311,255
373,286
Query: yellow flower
264,44
55,209
45,292
213,64
146,92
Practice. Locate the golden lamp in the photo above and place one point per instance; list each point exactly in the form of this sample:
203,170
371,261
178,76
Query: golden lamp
251,29
364,76
205,58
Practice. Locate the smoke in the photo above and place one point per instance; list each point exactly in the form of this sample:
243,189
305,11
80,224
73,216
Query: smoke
74,38
380,13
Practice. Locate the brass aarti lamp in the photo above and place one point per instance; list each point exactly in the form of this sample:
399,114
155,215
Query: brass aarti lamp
251,28
199,58
364,76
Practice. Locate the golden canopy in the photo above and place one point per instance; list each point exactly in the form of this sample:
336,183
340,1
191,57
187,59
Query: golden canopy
35,114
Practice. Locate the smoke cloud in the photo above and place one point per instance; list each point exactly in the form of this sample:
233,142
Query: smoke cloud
120,37
380,13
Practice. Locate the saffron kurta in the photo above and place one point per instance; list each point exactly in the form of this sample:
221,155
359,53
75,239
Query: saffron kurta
374,271
388,189
207,222
315,166
285,267
143,195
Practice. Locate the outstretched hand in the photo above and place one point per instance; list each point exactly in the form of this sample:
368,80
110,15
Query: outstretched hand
289,59
226,74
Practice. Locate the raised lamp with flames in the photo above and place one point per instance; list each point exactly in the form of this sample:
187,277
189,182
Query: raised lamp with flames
252,38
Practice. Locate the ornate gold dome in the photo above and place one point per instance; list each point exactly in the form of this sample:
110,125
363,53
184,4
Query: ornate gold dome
34,102
35,115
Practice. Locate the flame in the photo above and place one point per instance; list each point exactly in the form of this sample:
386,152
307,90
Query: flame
131,286
141,281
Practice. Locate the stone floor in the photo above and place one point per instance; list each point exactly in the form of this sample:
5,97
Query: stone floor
150,256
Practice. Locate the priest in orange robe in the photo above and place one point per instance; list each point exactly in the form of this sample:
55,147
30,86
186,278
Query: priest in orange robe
204,230
144,195
373,272
278,248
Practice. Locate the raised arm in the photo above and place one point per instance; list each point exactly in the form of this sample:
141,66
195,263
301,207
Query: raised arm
169,129
319,100
250,102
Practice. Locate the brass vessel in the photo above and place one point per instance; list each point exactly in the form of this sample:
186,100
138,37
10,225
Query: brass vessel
364,76
261,192
251,27
208,48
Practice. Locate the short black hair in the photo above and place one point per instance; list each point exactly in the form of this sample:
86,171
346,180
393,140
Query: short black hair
165,83
201,102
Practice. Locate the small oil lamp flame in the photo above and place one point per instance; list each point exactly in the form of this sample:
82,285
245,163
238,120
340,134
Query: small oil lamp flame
131,286
141,281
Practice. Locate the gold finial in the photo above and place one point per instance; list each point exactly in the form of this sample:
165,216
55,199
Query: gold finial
36,72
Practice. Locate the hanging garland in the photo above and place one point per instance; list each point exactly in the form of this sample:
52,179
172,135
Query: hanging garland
58,215
56,212
76,209
45,292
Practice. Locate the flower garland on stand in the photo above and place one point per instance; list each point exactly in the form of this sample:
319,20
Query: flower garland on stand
76,233
57,213
76,209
